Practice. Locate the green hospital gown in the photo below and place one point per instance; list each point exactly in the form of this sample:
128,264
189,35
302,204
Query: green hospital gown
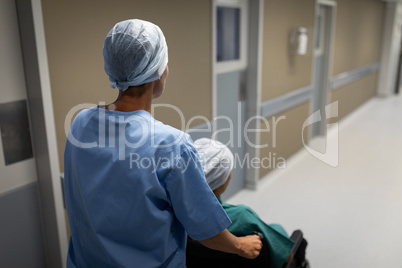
245,221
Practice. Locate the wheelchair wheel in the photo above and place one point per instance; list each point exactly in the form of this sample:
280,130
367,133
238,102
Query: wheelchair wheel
305,264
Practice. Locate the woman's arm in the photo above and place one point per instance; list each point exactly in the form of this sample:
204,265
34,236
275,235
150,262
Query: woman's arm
246,246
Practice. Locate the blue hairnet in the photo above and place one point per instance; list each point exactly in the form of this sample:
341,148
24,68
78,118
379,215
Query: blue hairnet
135,53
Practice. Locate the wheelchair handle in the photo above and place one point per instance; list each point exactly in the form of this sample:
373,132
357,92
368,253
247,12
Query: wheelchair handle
261,236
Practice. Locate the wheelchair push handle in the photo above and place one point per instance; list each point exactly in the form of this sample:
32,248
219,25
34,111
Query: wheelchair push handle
260,235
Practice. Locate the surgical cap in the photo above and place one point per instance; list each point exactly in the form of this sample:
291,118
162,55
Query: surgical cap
217,161
135,52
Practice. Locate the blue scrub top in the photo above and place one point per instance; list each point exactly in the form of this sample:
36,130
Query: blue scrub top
134,188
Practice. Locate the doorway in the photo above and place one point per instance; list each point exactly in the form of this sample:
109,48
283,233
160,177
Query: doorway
322,72
390,49
236,68
229,64
398,83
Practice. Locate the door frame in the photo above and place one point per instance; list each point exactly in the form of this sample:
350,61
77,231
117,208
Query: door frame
324,94
33,44
390,49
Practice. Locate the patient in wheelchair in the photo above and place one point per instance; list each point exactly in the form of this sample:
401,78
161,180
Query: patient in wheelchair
217,161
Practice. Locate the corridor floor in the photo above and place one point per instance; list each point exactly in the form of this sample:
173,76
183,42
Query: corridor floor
351,215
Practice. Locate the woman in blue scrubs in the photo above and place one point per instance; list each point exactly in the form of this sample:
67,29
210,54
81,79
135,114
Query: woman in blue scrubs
134,187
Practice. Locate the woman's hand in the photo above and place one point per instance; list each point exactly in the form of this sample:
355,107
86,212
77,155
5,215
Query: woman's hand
246,246
249,246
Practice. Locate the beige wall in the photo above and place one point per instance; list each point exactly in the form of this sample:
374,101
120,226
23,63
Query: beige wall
75,31
281,72
288,136
358,36
354,94
358,39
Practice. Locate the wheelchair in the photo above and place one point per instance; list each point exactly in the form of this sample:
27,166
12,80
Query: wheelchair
199,256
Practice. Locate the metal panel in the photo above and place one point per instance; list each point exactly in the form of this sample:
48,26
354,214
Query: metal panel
15,132
20,229
230,125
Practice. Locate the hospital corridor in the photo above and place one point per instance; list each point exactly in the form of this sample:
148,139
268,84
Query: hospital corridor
203,133
351,213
